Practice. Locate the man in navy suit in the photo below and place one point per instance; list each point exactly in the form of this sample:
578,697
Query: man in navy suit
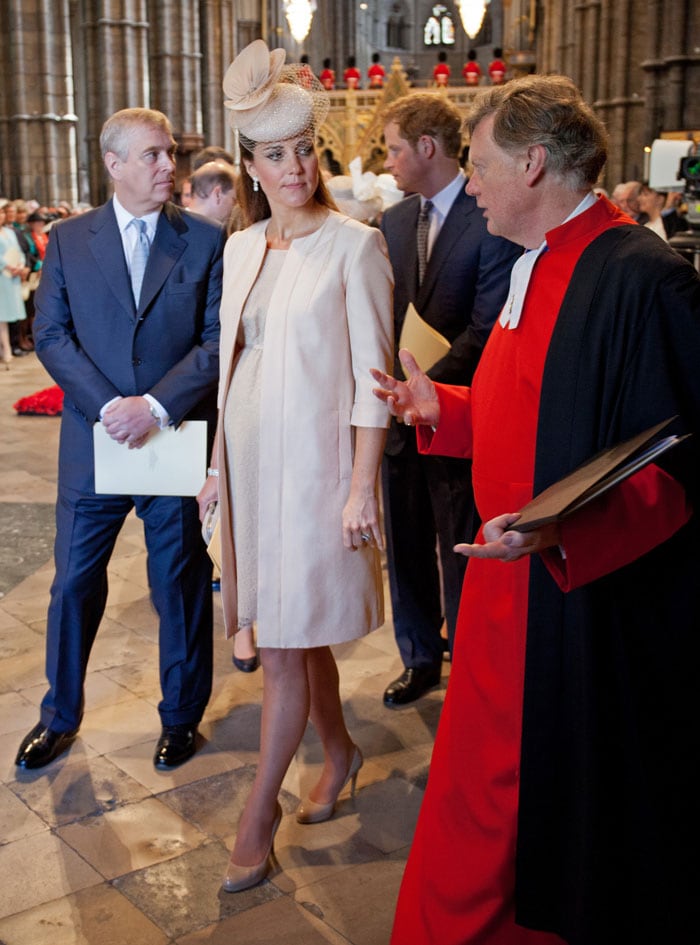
428,501
127,324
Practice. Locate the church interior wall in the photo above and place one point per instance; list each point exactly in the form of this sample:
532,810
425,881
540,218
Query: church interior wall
65,65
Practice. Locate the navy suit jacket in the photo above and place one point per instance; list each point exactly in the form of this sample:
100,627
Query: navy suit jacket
97,345
464,288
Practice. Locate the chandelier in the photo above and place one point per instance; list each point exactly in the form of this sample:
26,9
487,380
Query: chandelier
299,14
472,14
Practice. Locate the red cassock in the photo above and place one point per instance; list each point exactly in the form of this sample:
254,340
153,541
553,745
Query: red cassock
458,888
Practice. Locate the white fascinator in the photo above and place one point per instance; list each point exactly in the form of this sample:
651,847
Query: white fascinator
269,101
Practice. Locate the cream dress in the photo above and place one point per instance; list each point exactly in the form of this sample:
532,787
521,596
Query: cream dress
289,409
242,433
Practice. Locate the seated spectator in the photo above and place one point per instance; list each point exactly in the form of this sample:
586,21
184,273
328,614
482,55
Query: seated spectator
651,203
626,197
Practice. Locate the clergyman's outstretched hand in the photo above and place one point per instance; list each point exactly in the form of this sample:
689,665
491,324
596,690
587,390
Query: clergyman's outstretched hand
413,400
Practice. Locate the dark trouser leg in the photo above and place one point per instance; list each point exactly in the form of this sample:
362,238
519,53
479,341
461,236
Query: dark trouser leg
179,572
450,488
414,579
86,530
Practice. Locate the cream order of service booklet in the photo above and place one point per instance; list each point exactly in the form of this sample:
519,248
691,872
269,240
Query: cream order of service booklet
425,343
171,462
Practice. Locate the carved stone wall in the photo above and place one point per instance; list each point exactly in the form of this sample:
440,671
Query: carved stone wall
638,63
38,123
65,65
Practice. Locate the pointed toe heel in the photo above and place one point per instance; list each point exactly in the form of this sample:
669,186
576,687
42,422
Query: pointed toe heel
310,812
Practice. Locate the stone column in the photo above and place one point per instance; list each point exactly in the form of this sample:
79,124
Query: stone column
176,62
37,110
218,39
114,55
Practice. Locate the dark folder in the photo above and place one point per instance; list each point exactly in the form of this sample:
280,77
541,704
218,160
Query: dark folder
595,477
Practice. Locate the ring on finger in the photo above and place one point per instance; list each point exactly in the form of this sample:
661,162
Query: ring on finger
365,536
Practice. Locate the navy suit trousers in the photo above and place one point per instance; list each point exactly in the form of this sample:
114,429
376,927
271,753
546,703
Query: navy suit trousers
179,576
428,509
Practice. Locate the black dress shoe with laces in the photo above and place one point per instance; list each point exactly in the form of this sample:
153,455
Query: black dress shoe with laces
42,745
177,743
413,682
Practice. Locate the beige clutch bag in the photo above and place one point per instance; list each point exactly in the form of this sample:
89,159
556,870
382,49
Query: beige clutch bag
211,533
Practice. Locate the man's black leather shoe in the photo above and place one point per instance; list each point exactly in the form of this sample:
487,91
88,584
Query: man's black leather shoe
42,745
411,685
177,743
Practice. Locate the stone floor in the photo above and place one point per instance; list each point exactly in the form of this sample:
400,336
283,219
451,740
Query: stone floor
99,847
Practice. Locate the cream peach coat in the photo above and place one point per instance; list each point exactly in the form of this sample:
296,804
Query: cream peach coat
329,321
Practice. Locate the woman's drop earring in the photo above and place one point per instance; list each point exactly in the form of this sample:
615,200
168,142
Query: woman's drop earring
256,185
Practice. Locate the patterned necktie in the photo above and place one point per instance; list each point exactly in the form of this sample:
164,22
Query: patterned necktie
422,231
139,258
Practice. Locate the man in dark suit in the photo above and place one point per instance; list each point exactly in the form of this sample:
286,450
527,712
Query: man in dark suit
127,324
458,287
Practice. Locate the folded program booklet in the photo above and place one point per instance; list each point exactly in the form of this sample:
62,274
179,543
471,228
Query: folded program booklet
171,462
595,477
425,343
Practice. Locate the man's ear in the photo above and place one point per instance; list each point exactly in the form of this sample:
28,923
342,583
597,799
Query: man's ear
113,163
426,146
535,161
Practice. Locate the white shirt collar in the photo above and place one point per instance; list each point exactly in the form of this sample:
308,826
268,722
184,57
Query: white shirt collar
442,204
124,218
443,199
521,272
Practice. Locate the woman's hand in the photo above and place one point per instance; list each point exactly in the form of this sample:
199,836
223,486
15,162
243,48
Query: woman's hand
207,494
361,520
504,545
414,400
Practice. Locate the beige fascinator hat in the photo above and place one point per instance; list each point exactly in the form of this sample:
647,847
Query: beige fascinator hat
269,101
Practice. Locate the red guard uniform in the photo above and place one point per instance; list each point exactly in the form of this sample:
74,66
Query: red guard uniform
472,73
441,73
497,71
327,79
376,75
351,77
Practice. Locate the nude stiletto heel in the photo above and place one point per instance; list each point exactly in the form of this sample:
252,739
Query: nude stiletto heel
238,878
310,812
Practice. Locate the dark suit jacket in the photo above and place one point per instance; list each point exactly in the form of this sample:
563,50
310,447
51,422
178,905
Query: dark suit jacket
463,291
97,346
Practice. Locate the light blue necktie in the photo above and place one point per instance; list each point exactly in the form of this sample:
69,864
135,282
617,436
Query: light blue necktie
139,258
